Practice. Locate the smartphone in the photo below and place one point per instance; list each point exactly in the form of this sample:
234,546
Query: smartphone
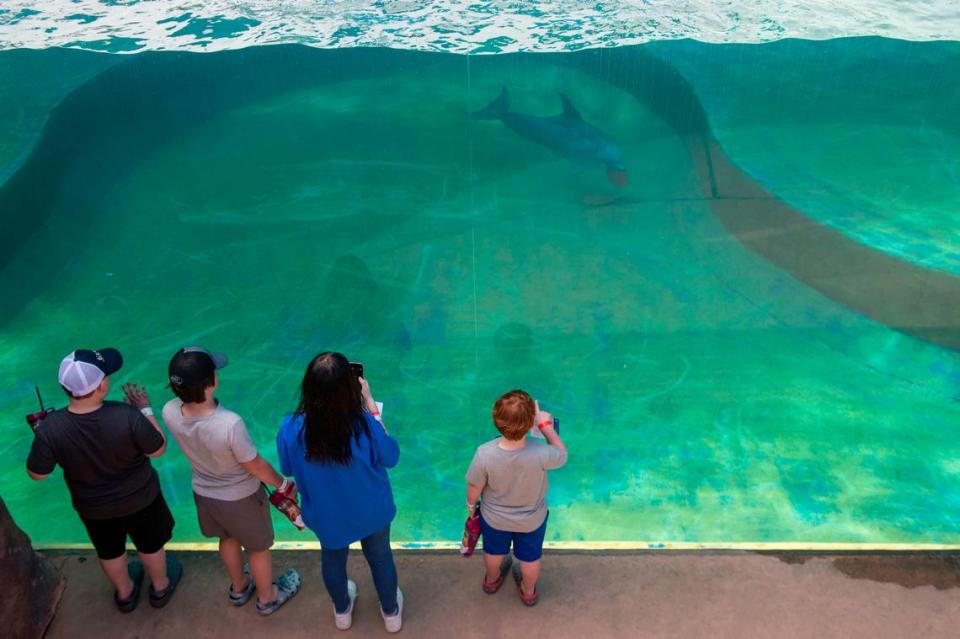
357,368
536,432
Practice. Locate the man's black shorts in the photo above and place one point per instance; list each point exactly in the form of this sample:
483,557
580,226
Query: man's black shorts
149,529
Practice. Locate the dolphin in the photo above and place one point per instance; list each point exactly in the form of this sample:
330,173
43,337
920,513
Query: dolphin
565,134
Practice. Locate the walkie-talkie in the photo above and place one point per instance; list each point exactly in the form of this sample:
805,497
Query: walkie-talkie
34,419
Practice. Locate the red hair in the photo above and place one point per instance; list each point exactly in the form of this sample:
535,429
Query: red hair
513,414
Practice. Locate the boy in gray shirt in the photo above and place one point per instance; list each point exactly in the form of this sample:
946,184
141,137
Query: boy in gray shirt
510,473
227,471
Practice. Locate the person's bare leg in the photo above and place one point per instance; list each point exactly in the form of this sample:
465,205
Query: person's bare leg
156,565
530,570
492,564
116,572
231,554
261,569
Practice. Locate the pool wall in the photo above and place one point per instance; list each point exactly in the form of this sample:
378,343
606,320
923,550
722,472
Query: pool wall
164,97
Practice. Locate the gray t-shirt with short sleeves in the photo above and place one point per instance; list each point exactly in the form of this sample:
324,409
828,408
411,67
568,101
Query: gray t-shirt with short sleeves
515,483
216,445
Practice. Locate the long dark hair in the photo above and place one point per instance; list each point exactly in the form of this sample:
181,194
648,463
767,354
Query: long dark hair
331,405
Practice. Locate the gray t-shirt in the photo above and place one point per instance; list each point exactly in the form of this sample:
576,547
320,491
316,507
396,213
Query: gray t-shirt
515,483
216,445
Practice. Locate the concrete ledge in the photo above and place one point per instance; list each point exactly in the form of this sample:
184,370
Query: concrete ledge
611,546
632,594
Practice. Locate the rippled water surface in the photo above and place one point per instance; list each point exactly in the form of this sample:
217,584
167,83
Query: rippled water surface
456,26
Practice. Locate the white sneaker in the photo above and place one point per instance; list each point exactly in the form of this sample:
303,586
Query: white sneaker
393,623
345,619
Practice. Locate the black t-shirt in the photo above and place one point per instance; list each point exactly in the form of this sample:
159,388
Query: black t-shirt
103,456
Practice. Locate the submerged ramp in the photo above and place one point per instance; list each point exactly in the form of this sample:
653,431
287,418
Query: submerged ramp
910,298
919,301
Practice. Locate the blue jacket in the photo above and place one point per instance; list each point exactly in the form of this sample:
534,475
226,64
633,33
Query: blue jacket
342,503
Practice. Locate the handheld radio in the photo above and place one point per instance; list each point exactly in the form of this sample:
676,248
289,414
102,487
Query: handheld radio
34,419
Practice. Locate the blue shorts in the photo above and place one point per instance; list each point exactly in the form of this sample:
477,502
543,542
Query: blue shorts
527,546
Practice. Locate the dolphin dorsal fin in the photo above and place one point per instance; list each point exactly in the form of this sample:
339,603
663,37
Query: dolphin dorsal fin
568,109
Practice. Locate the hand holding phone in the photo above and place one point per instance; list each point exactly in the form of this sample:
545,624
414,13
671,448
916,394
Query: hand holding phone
356,368
366,397
542,418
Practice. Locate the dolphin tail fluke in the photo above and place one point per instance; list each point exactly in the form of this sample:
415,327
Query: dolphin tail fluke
496,109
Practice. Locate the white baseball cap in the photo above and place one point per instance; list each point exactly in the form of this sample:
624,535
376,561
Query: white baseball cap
82,370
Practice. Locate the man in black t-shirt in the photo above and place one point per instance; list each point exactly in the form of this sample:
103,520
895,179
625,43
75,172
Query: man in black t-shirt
103,448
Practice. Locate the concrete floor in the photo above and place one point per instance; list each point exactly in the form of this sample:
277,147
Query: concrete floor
592,595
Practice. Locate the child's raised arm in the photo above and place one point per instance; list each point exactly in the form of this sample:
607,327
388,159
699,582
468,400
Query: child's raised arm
544,422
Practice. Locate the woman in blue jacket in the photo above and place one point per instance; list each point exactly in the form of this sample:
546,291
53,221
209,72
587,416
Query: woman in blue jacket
339,451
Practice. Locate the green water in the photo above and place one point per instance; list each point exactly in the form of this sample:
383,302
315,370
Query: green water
705,394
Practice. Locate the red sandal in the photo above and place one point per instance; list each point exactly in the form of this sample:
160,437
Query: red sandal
528,600
491,587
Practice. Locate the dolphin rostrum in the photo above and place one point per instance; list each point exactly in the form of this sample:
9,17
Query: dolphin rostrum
565,134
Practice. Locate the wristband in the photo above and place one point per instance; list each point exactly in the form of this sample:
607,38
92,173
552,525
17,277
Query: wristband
544,423
147,411
284,485
470,506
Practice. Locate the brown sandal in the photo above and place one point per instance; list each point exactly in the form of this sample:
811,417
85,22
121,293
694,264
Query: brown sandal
491,587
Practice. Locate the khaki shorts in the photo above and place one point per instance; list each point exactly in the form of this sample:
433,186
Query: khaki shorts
247,520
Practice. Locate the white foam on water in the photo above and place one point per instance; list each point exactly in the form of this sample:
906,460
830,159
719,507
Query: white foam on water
501,26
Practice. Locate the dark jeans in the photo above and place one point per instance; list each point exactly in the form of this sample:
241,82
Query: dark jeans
376,549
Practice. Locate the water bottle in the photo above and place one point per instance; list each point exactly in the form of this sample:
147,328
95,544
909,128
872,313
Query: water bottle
289,507
471,532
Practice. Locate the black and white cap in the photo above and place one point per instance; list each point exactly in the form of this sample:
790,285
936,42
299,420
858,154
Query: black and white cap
193,365
82,370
